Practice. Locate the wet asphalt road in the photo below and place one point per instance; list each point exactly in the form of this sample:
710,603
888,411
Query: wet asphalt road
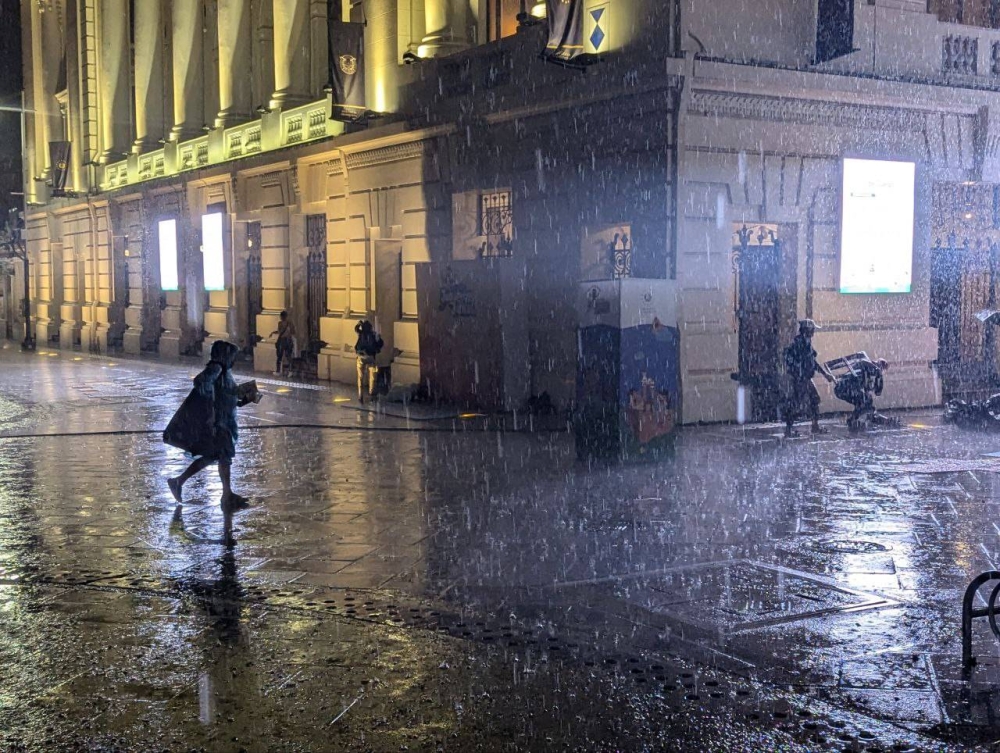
408,581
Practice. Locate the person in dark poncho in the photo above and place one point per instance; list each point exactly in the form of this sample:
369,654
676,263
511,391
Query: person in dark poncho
801,366
213,440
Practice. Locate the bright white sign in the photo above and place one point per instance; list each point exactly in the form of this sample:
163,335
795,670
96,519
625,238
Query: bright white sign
168,254
212,254
876,231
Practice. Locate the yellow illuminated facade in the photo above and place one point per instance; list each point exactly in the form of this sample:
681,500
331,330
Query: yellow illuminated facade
223,110
683,121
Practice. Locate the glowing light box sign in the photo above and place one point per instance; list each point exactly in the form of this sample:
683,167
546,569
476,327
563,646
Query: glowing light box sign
876,232
212,254
168,254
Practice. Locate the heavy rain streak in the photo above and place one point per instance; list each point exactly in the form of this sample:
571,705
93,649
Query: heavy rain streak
577,375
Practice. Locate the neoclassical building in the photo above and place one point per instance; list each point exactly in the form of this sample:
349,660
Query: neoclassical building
487,182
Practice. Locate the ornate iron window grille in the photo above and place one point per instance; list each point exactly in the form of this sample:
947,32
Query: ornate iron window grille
620,251
315,275
496,224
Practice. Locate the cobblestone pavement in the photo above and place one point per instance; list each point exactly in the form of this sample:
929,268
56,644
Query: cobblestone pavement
410,578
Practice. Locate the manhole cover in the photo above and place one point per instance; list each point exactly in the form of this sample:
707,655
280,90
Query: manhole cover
838,546
729,597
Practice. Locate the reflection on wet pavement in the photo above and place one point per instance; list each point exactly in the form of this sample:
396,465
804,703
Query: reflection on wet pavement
472,589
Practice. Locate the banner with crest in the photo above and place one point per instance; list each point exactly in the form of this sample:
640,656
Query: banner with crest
347,70
565,29
59,157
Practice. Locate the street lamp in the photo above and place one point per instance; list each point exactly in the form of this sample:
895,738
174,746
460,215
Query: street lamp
12,239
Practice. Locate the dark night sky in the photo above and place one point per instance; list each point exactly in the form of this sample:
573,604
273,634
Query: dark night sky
10,48
10,87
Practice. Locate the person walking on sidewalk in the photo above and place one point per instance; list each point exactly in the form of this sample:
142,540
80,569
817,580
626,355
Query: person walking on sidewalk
801,366
205,424
286,343
368,346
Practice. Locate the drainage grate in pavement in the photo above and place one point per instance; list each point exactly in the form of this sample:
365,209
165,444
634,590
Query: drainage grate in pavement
731,596
839,546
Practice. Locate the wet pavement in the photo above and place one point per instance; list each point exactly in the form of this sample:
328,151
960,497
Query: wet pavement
411,579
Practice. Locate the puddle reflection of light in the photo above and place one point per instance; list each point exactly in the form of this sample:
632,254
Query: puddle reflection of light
282,390
470,415
919,426
341,399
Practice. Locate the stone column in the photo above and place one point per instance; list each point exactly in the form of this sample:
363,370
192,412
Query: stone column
30,120
447,24
235,39
114,51
77,180
46,61
151,76
188,58
291,53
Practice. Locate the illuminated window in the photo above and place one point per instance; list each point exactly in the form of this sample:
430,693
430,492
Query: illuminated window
168,254
212,251
876,232
501,18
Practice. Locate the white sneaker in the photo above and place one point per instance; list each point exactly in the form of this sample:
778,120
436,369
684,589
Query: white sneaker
276,373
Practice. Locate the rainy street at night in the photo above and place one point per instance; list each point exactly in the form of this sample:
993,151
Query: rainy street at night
409,578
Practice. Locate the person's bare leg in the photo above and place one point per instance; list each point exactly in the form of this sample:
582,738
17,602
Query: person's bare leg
176,484
230,500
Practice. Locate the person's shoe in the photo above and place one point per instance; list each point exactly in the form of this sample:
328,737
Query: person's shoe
819,430
175,488
276,373
791,434
234,502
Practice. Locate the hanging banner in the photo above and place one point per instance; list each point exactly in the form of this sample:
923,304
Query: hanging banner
59,157
565,29
347,70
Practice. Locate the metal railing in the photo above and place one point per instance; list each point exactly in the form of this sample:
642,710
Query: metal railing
970,613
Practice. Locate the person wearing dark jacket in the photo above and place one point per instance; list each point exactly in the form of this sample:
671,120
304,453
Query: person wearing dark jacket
858,388
367,347
801,366
213,438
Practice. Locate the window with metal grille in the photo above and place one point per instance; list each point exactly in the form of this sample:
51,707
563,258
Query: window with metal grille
316,273
255,282
496,223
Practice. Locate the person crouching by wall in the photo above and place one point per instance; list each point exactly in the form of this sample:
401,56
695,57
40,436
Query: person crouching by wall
368,346
860,389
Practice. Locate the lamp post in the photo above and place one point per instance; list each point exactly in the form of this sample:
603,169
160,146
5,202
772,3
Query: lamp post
12,237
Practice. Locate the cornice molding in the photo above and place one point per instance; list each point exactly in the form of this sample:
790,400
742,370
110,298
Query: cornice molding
871,118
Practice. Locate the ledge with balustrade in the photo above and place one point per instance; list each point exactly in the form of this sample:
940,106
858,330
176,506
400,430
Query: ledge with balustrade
274,130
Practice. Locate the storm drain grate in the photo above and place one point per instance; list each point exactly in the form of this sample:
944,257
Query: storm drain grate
847,546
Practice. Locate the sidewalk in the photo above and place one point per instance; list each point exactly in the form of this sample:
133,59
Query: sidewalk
748,593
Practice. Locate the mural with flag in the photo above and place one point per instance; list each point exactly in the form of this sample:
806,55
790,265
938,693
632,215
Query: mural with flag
347,70
59,157
565,29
